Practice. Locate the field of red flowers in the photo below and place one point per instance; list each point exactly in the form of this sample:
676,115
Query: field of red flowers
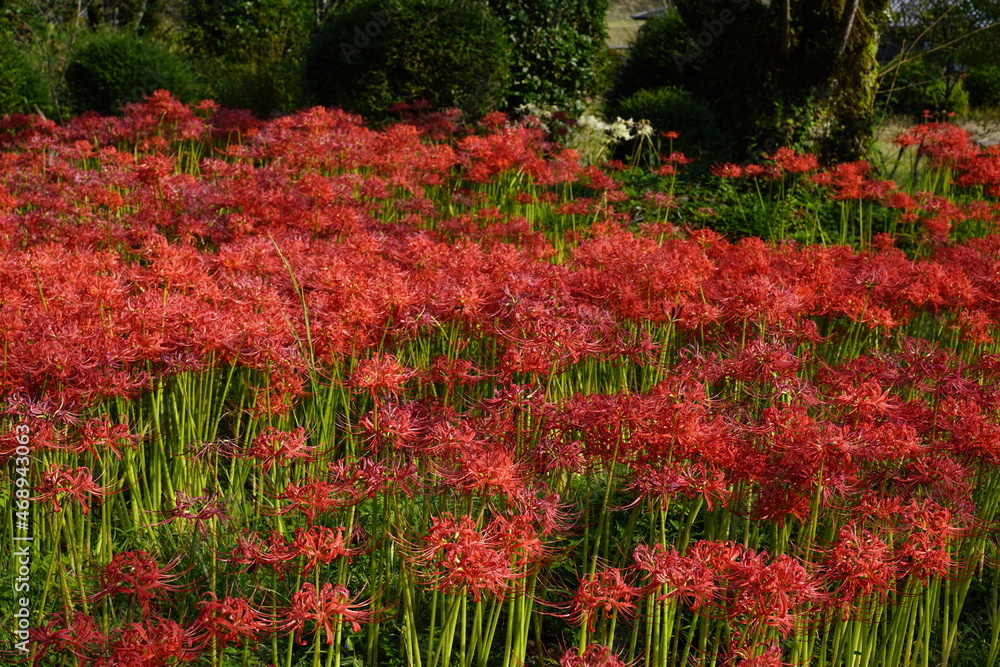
301,392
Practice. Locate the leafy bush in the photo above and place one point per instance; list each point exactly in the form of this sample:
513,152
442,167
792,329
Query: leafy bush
108,69
22,88
373,54
672,109
559,54
983,86
651,58
264,88
920,87
242,31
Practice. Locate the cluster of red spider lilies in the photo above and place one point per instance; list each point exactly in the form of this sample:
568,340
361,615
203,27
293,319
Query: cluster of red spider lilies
302,392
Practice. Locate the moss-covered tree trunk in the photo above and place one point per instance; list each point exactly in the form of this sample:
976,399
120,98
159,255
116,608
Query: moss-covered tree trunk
784,71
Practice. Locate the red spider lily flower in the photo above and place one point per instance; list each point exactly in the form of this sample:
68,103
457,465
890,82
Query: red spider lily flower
486,470
727,170
859,564
752,657
273,446
793,163
380,374
252,551
228,620
136,573
80,636
594,655
670,136
198,510
333,604
454,371
663,483
604,591
311,498
78,483
154,643
400,425
464,559
320,544
99,433
677,158
685,578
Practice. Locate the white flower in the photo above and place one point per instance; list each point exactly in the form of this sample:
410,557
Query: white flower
644,129
621,129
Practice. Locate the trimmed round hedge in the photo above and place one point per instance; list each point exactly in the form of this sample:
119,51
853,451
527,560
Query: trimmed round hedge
110,69
452,53
672,109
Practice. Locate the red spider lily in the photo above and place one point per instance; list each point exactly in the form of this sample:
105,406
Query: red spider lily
320,544
464,559
758,592
252,551
228,620
486,470
400,425
727,170
80,636
311,498
273,446
454,371
753,657
604,591
790,161
198,510
78,483
380,374
332,605
136,573
153,643
686,578
98,434
663,483
594,655
860,564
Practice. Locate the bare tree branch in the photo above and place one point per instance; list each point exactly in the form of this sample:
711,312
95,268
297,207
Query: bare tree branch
845,35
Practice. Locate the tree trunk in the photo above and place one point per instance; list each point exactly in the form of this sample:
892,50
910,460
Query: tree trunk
790,72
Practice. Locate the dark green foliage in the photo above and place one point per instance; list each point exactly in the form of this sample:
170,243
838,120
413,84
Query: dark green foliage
672,109
376,53
920,86
652,59
265,89
108,69
250,51
559,55
983,86
241,31
22,88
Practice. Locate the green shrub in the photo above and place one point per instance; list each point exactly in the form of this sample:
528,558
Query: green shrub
920,87
264,88
240,31
451,53
651,59
559,51
983,86
22,87
108,69
673,109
